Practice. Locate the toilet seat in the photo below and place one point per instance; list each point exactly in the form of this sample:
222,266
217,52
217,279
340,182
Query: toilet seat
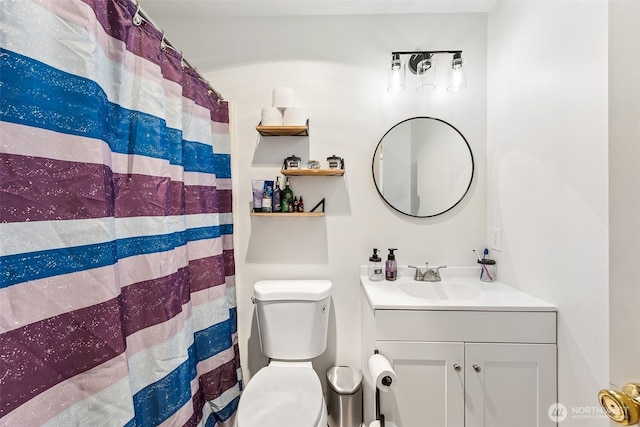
278,394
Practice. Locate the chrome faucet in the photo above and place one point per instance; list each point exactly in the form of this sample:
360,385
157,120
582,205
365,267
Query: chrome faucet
428,275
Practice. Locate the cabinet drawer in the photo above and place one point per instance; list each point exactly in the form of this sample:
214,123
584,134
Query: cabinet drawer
466,326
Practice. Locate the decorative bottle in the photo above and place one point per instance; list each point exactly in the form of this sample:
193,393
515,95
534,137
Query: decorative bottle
287,198
276,196
300,205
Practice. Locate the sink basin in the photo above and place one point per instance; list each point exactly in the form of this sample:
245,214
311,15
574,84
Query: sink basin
441,291
460,289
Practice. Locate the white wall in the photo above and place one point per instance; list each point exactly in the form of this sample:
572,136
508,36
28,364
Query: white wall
337,67
542,133
624,181
547,157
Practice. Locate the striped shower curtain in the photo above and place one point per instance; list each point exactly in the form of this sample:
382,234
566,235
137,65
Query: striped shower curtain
117,286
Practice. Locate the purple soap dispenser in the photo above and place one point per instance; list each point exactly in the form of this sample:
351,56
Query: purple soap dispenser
391,266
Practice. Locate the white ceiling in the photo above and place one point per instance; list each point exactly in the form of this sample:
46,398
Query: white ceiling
203,9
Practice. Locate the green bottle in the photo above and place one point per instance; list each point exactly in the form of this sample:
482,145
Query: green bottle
287,198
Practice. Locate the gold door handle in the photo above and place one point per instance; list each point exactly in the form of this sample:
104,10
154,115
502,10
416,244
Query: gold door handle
622,406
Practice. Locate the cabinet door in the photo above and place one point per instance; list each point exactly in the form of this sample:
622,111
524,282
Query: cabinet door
429,390
509,385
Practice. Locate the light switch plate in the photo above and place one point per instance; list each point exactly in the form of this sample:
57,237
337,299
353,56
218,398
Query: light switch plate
495,239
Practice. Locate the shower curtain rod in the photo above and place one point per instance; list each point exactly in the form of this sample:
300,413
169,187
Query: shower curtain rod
141,15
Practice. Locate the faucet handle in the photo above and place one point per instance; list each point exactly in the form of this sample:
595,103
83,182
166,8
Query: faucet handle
436,271
418,272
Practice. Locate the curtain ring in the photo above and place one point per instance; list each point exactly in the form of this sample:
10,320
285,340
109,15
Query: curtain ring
137,19
163,43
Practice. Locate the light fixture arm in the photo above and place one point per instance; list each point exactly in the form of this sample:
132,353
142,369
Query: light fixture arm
417,52
419,55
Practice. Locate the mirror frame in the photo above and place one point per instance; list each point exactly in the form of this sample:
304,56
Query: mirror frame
466,191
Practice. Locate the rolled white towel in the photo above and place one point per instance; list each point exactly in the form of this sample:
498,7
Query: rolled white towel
283,97
294,116
271,116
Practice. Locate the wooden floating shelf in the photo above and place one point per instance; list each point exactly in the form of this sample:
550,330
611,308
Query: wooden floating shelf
288,214
312,172
283,130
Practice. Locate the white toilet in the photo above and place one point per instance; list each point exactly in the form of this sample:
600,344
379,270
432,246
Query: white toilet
293,318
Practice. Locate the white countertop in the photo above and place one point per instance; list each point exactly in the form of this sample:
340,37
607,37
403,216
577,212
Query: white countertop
481,296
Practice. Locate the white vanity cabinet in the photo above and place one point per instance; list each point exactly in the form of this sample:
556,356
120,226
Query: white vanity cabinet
463,368
513,384
429,390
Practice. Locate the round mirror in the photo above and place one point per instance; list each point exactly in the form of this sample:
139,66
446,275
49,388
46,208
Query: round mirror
423,167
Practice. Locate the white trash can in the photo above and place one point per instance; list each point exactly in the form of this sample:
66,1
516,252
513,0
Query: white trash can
344,400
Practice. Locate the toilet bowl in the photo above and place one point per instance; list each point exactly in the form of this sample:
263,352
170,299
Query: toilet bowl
283,394
292,317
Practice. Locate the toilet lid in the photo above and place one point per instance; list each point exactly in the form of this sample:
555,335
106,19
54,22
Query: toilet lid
276,395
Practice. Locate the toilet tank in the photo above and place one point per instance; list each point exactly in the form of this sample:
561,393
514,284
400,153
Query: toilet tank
293,317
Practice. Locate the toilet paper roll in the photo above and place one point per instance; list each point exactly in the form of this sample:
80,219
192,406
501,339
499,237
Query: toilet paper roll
283,97
271,116
294,116
382,373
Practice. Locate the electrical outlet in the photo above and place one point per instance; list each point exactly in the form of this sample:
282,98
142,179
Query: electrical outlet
495,239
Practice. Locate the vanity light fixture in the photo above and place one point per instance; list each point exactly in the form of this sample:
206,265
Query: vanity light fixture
426,73
423,65
396,75
457,79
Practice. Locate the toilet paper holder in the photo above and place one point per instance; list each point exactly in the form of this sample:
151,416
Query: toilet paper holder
386,381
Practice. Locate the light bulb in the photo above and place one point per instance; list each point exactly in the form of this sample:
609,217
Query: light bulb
426,74
457,78
396,75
